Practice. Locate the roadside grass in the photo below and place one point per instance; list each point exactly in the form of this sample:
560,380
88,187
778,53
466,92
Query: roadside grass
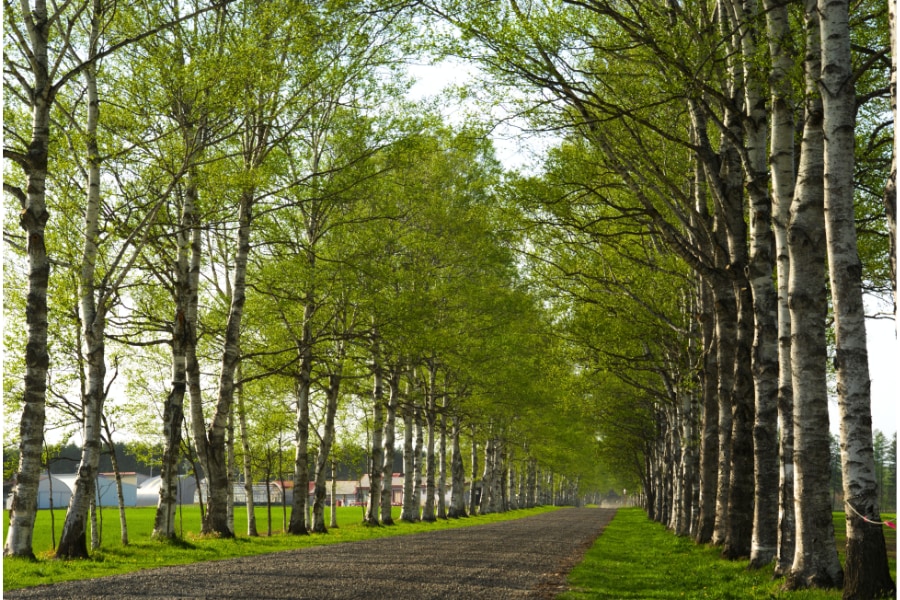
143,553
640,559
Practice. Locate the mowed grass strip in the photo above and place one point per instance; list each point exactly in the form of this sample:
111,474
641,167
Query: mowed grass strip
640,559
143,553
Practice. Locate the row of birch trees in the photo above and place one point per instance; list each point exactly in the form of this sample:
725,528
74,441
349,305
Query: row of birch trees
247,208
235,207
740,153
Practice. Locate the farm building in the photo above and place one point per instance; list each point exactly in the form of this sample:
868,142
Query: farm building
55,490
148,491
240,494
396,489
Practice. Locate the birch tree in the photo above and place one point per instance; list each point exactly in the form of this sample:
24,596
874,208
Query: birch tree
36,72
867,573
815,562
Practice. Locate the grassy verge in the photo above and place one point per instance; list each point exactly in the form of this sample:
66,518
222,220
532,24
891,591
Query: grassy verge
142,552
637,558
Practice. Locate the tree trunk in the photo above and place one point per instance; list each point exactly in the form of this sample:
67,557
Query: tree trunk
487,483
230,466
890,187
410,512
782,161
387,492
33,220
376,463
725,310
709,442
531,499
741,489
332,522
72,542
688,468
473,501
246,460
815,557
216,519
457,475
738,525
96,517
332,394
298,523
419,457
760,269
442,464
867,574
120,496
428,512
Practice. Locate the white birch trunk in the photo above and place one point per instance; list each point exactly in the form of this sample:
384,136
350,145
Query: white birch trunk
387,473
332,394
33,220
473,505
120,495
298,523
782,166
73,541
216,519
182,334
457,474
890,188
764,538
246,459
442,462
867,574
428,512
410,512
725,334
418,463
815,557
487,478
709,444
376,463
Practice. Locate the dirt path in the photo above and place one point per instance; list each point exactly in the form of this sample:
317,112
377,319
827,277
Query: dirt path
524,558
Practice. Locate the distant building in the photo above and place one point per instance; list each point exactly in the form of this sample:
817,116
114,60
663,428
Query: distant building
148,491
396,489
56,490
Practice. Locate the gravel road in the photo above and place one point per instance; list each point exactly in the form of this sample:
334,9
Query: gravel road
524,558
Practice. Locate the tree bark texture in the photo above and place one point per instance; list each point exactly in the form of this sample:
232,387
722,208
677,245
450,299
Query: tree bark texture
387,469
33,221
726,334
216,519
457,474
709,442
815,557
332,394
781,160
72,541
376,463
246,460
410,512
759,272
867,574
428,511
298,523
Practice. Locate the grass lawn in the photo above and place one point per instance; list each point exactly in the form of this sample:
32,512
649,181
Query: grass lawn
640,559
142,552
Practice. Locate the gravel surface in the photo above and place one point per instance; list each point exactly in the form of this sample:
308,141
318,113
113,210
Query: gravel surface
524,558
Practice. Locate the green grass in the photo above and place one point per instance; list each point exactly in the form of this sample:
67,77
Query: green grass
142,552
640,559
